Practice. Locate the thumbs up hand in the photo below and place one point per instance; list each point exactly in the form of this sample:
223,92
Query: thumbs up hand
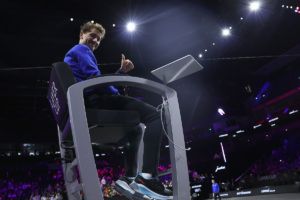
126,64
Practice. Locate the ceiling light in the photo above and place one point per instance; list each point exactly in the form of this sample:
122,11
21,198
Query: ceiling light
226,32
256,126
254,6
131,26
221,111
274,119
293,112
223,135
240,131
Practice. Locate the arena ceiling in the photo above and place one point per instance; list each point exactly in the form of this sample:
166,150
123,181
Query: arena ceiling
263,46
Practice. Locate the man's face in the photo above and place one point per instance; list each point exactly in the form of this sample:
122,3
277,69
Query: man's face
91,38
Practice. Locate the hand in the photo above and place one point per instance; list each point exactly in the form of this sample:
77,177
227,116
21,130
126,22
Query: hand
126,65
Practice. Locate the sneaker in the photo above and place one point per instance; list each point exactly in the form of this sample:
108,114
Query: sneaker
151,187
122,185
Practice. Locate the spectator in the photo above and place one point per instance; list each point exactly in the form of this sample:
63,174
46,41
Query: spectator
215,189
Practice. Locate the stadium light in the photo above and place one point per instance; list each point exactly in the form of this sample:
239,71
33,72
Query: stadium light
226,32
254,6
221,111
131,26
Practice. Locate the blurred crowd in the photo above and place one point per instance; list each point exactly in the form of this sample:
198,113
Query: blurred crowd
42,178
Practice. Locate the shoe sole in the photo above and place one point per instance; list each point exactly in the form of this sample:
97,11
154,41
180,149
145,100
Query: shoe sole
139,188
132,195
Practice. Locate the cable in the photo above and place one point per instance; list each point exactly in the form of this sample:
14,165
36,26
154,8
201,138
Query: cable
22,68
45,67
203,59
160,108
250,57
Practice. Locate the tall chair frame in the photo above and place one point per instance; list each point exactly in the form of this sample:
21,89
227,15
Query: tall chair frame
82,141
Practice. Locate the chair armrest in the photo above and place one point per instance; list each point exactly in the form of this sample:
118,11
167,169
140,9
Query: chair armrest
120,79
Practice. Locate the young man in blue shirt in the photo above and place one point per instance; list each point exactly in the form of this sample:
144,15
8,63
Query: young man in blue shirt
83,63
215,189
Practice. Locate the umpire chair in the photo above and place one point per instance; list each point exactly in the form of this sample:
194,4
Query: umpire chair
79,128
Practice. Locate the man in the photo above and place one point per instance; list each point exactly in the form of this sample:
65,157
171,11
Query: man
84,65
215,189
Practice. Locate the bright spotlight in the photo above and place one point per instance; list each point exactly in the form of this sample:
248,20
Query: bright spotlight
221,111
200,55
254,6
226,32
131,26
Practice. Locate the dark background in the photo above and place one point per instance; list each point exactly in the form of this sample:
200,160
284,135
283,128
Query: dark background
262,52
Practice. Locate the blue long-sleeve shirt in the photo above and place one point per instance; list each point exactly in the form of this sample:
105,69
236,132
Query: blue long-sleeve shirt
215,188
83,63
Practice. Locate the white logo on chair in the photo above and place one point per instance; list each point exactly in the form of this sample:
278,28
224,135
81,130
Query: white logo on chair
53,99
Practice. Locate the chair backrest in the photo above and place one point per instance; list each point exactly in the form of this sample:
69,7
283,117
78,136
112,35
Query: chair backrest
61,79
114,125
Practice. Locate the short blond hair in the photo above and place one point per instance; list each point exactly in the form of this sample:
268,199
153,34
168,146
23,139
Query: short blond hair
88,26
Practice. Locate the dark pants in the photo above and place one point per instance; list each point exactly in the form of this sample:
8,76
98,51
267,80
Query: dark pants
216,195
153,132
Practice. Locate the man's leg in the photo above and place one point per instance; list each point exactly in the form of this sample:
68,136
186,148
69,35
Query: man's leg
131,150
149,116
153,132
116,102
130,153
147,182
